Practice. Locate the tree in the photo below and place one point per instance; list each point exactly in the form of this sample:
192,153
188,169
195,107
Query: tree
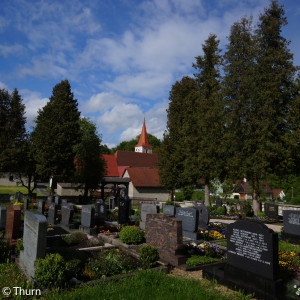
90,165
204,129
172,153
13,134
267,148
56,132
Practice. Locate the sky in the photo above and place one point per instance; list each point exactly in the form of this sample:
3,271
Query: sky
121,57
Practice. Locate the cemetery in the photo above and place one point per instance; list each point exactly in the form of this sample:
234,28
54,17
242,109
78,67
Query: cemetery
93,241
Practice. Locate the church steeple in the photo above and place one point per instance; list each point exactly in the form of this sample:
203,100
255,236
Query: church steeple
143,145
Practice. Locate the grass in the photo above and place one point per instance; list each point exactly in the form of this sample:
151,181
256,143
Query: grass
286,246
146,285
197,260
14,189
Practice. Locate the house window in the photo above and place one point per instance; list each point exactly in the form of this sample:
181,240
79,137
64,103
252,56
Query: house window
11,178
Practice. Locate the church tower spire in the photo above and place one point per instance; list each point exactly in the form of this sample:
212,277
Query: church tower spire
143,145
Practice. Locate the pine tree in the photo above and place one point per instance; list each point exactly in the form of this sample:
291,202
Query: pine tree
90,166
172,153
204,129
267,150
56,132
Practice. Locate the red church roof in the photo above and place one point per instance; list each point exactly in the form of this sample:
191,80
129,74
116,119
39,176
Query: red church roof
111,165
142,177
144,137
136,159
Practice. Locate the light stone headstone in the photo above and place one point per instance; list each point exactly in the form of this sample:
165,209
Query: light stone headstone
41,207
52,213
88,216
145,209
67,212
34,241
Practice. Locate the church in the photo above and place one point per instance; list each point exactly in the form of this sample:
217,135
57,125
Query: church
138,171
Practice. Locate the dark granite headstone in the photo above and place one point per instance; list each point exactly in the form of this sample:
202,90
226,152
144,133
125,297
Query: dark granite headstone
52,214
203,215
41,207
124,211
165,233
102,213
112,203
169,210
19,196
64,202
13,223
2,217
88,216
252,260
145,209
271,210
26,203
67,212
291,225
218,202
189,217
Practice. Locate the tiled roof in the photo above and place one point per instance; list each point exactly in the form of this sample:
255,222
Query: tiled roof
142,177
144,137
136,159
244,187
111,165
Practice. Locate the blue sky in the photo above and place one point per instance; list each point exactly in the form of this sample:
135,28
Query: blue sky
121,57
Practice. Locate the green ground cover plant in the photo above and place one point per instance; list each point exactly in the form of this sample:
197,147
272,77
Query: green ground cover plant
131,235
197,260
148,256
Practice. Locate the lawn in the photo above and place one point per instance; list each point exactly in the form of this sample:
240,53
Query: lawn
14,189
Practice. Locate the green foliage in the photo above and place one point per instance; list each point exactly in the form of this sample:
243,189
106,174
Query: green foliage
131,235
148,256
197,260
232,210
74,268
51,271
4,249
53,148
110,262
19,246
261,214
74,238
90,165
247,209
221,210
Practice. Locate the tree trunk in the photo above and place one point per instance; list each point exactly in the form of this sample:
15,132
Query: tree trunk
207,192
171,195
256,199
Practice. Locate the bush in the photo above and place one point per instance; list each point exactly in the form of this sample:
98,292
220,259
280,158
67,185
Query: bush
19,246
74,268
51,271
261,214
4,249
247,209
148,256
110,262
221,210
76,237
131,235
232,210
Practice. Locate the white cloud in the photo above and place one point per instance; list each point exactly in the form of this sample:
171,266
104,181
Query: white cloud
33,102
3,85
8,50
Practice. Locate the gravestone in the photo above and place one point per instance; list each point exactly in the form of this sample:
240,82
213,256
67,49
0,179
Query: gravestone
271,210
124,211
219,202
204,216
57,200
50,200
41,207
64,202
34,241
26,203
145,209
67,212
112,203
88,219
252,260
164,232
2,217
19,196
13,223
102,213
291,226
190,219
169,210
52,214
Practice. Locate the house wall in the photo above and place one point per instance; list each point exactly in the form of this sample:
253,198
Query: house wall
68,191
10,179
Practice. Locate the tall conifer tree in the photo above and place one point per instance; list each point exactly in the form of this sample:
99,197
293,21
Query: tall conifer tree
56,132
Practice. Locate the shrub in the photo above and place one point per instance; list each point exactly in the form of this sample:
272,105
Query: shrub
51,271
131,235
261,214
76,237
221,210
110,262
148,256
232,210
4,249
247,209
19,246
74,268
